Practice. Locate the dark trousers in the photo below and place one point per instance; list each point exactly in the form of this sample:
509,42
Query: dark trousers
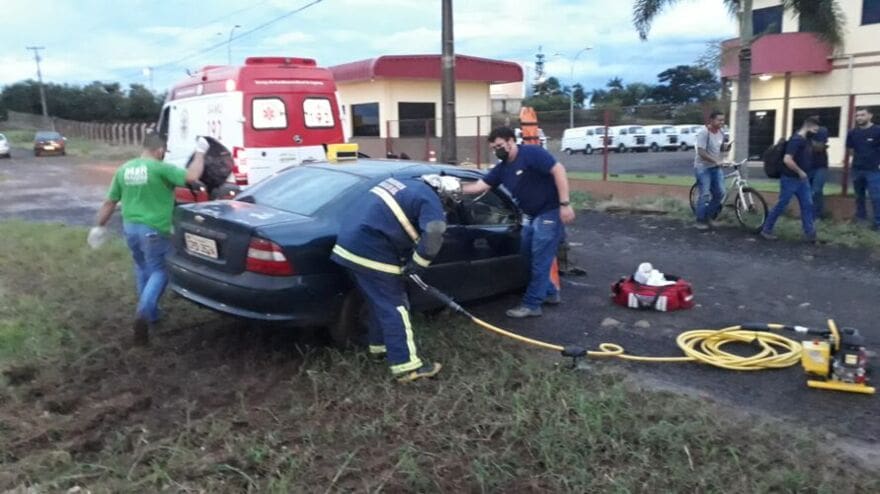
388,319
790,187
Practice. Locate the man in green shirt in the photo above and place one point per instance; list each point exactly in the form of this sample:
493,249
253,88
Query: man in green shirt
145,187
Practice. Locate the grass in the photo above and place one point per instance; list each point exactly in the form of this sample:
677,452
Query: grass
78,147
236,413
763,185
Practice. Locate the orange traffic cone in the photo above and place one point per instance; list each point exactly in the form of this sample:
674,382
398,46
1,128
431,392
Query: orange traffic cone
432,156
554,274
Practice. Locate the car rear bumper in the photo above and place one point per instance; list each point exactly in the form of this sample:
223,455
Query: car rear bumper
303,300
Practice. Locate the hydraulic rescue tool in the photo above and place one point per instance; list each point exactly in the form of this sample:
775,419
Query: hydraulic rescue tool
834,359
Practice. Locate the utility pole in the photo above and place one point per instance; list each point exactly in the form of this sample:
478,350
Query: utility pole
36,50
571,89
448,143
229,45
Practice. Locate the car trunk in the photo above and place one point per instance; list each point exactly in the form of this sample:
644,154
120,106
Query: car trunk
217,234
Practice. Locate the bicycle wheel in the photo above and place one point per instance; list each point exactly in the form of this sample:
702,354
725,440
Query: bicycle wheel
751,209
694,196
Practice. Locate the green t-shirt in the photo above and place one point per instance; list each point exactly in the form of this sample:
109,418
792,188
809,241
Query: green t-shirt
146,188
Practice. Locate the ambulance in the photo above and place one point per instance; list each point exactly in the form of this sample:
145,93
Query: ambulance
270,113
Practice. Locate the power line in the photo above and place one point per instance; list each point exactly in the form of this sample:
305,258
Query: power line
242,35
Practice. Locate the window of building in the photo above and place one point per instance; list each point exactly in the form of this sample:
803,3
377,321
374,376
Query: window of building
365,120
829,117
767,20
870,11
414,117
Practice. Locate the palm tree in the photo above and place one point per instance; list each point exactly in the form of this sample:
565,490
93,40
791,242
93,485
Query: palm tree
824,17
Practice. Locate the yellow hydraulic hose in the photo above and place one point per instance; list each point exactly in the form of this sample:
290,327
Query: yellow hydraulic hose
698,345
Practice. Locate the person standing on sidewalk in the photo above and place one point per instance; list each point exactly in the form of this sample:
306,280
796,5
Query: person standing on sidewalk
710,155
864,144
795,181
539,185
145,187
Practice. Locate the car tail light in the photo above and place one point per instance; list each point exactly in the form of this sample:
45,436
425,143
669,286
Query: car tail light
239,163
266,257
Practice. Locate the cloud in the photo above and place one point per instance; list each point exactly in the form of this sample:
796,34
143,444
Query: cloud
290,38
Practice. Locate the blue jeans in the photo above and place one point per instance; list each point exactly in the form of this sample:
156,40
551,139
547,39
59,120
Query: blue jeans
711,183
148,250
793,187
867,181
540,242
817,184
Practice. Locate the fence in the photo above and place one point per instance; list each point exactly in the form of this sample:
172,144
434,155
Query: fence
117,134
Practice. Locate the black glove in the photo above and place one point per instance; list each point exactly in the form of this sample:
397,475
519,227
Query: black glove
413,268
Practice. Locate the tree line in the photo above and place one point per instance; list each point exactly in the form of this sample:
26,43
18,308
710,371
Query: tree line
94,102
679,85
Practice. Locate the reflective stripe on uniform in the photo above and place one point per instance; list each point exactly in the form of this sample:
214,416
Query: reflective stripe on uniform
377,349
395,208
367,263
414,361
421,261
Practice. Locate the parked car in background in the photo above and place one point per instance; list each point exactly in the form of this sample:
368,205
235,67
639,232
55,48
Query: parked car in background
585,139
4,146
266,254
687,135
629,138
49,142
541,136
662,137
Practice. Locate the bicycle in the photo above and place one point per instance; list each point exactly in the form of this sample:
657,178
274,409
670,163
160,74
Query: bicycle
749,204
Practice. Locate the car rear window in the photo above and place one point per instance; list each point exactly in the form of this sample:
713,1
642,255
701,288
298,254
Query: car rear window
48,135
302,190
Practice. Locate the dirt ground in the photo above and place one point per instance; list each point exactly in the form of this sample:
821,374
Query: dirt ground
212,366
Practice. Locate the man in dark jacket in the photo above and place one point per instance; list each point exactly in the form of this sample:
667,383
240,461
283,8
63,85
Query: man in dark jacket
396,230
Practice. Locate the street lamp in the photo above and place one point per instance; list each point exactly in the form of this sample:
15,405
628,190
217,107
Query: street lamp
571,89
229,45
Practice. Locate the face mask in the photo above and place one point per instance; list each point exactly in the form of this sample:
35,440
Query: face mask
502,154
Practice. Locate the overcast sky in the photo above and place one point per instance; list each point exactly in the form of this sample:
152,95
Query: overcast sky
115,40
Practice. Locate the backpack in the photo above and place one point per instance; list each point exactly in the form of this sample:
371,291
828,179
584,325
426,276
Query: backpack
773,159
630,293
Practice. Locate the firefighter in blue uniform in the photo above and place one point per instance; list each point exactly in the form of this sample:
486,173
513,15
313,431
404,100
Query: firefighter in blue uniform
397,230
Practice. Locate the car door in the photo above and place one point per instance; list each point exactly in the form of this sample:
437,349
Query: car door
490,238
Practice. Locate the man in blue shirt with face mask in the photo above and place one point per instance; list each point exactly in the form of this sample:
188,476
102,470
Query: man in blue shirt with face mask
539,184
864,143
795,181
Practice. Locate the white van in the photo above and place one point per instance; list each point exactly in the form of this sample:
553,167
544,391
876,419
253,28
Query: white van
629,138
662,137
687,135
584,139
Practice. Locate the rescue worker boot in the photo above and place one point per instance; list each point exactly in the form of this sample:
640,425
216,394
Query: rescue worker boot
427,370
141,335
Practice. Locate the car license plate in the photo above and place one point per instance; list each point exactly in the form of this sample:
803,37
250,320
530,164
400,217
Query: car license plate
200,245
49,148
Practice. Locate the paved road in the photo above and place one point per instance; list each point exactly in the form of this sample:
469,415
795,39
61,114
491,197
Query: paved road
648,163
52,188
737,279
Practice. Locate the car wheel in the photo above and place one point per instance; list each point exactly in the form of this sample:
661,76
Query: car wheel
568,151
36,153
654,147
621,148
683,147
349,330
588,149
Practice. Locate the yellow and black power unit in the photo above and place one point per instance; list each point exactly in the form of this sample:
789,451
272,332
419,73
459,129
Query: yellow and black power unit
342,152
